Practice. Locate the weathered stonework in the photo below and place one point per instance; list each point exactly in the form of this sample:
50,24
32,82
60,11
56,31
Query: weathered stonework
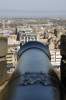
3,46
3,70
3,60
63,45
63,60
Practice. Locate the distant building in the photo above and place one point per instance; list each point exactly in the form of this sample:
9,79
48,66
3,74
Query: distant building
26,37
13,45
24,29
10,60
13,37
44,41
51,46
55,57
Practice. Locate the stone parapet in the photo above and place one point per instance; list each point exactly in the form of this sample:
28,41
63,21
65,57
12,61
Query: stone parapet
3,60
63,45
63,60
3,70
63,71
3,46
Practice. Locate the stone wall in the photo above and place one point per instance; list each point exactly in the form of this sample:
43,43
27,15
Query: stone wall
63,45
3,70
63,60
3,46
3,61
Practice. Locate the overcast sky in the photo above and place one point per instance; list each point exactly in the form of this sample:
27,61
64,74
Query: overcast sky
33,4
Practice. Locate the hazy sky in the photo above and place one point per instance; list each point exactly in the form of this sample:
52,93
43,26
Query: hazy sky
33,4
